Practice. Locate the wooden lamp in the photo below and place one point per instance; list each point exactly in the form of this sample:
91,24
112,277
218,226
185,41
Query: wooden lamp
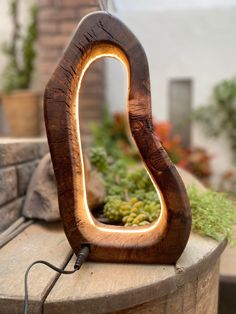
99,35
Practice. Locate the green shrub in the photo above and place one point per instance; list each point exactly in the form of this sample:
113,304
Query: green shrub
20,52
133,201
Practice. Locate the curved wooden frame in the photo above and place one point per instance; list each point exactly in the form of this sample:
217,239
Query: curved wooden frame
100,34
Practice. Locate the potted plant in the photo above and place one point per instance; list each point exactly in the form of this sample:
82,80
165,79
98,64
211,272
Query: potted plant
20,104
130,198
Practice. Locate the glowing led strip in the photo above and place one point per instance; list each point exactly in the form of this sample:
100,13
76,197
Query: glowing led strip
90,218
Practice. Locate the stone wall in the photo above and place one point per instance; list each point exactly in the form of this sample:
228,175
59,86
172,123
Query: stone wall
18,159
57,21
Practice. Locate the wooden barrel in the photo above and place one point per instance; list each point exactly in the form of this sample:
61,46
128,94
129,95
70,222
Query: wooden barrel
191,286
187,288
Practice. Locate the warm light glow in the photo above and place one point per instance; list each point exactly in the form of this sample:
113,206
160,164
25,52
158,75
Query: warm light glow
106,50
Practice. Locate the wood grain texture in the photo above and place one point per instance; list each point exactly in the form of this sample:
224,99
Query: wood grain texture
228,261
108,287
197,297
38,241
100,34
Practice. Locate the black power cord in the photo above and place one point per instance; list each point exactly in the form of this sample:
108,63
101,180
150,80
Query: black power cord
81,258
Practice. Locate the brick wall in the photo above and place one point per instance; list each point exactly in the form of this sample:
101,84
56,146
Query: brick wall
57,20
18,159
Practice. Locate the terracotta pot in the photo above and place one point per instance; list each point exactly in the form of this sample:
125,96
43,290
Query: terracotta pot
21,109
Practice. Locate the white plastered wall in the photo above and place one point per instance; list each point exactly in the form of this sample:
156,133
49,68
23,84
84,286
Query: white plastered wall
198,44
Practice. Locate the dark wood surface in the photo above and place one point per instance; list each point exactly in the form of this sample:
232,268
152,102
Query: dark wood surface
100,34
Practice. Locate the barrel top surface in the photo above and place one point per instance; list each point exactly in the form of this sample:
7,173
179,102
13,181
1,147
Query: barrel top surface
38,241
111,287
105,286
